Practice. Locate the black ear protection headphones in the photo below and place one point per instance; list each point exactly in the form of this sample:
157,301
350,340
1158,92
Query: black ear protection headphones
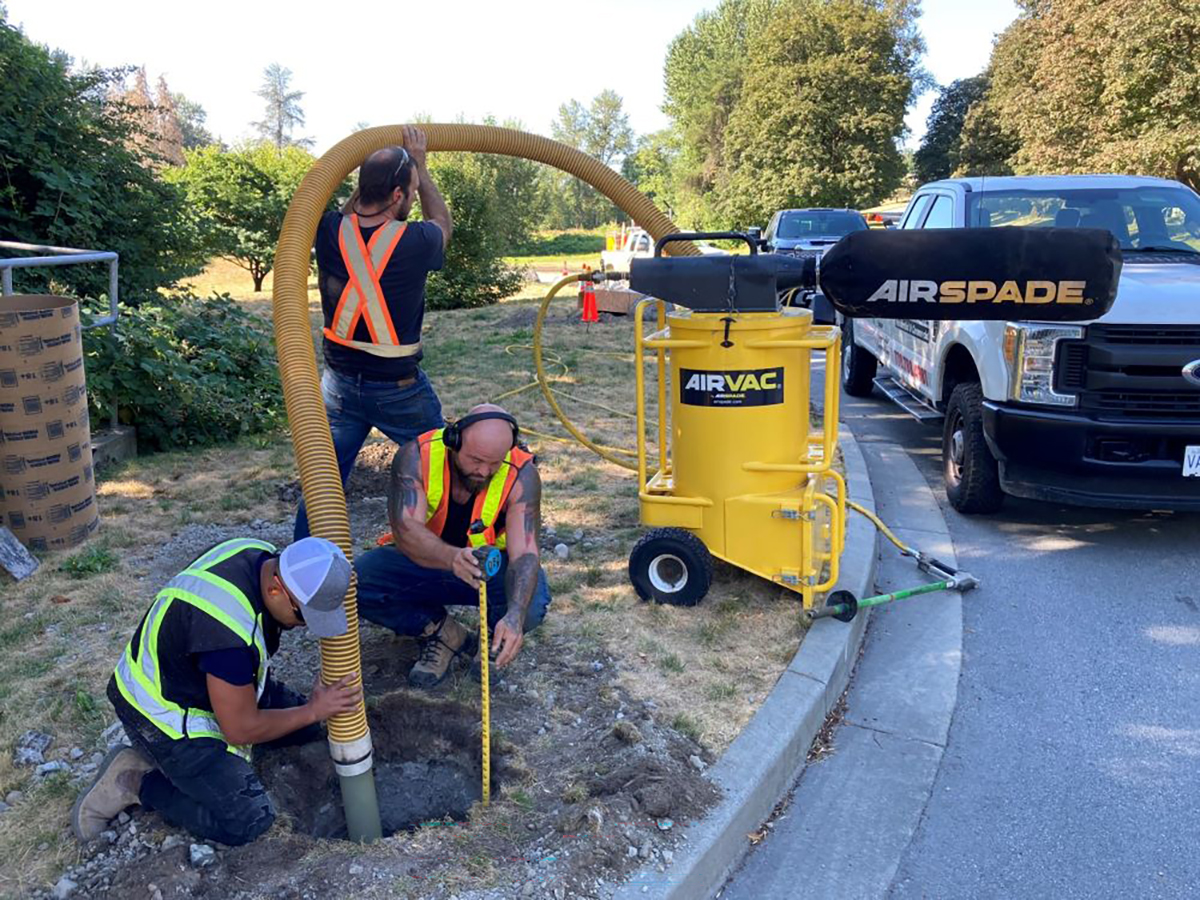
452,433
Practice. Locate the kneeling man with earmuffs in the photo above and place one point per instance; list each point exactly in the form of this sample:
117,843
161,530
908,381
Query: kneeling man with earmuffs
453,490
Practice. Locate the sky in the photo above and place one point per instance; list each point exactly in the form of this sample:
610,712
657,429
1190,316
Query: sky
440,60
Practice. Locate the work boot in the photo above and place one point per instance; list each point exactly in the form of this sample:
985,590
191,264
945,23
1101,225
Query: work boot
116,786
442,642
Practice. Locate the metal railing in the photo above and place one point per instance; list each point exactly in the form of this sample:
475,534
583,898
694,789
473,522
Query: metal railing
65,256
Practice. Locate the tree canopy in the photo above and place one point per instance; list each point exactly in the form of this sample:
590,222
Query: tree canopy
77,178
1083,86
240,197
937,157
790,103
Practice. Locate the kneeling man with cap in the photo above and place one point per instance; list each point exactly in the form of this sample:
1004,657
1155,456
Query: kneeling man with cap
194,695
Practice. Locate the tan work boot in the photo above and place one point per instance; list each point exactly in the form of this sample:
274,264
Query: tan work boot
116,787
442,642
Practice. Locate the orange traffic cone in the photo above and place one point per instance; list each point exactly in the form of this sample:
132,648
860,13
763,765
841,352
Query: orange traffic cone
590,313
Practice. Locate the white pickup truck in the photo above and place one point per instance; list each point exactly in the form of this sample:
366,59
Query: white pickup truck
1101,414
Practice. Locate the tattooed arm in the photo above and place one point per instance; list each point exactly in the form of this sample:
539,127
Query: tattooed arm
523,525
406,514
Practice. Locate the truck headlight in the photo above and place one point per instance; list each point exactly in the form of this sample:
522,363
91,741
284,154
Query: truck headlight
1029,351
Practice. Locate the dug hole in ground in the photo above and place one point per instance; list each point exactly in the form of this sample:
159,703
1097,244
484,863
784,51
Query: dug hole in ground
602,728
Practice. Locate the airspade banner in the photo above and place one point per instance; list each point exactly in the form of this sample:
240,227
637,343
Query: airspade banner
1035,274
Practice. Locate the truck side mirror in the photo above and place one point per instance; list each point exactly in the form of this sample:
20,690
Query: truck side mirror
755,234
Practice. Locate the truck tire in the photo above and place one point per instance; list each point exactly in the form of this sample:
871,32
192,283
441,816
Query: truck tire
858,365
670,565
971,472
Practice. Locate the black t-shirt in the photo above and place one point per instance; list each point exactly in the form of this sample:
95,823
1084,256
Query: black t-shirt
191,642
458,522
418,253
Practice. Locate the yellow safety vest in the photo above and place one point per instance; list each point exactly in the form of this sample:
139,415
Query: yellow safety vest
138,674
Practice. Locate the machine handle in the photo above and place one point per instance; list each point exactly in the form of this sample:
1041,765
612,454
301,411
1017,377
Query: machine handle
705,236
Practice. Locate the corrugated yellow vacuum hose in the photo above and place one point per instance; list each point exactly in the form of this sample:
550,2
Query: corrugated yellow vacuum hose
349,737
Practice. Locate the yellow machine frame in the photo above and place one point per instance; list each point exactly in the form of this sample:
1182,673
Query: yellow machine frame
819,542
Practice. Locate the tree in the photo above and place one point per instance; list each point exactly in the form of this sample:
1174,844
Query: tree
1084,86
984,147
191,117
652,167
75,179
821,108
167,126
601,130
494,200
703,76
241,197
283,112
937,156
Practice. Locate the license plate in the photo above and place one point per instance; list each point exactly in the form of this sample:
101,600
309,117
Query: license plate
1191,462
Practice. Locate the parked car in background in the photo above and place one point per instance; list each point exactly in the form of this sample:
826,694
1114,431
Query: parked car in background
1100,414
810,232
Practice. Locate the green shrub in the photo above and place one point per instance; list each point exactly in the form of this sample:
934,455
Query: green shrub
187,372
565,243
473,275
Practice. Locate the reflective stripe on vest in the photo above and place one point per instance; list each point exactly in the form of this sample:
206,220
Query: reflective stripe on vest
435,468
362,298
140,681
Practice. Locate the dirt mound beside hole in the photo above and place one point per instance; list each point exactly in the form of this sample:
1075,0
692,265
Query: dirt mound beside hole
428,758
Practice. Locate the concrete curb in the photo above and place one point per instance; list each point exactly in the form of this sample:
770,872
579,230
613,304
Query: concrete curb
762,763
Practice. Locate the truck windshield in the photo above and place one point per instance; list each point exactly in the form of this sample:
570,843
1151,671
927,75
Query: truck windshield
1141,218
819,224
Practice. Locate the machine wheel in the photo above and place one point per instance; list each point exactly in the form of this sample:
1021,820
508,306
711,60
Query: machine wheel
858,365
971,472
670,565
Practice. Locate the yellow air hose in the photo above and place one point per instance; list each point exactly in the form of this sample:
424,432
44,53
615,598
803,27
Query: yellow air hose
349,736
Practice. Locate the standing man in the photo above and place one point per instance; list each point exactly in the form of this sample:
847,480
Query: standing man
372,264
454,489
193,692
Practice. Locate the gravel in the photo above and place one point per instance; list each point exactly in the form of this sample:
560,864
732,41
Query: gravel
201,856
31,747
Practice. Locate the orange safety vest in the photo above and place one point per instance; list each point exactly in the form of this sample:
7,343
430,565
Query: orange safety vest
363,297
435,468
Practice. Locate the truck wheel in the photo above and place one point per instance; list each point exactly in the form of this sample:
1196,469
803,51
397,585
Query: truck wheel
972,475
670,565
858,365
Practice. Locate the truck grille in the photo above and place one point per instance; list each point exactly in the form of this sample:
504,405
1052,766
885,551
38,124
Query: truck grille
1132,371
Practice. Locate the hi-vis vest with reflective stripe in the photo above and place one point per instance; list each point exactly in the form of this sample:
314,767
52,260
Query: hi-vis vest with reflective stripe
138,673
362,299
435,467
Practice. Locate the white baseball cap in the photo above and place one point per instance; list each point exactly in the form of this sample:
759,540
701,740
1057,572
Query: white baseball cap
316,572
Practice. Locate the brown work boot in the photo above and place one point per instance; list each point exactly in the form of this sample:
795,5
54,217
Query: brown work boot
442,643
116,786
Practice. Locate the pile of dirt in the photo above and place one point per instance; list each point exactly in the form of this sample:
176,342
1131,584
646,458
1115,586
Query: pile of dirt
369,477
587,787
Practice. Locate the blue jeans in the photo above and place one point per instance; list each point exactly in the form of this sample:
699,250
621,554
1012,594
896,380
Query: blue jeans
393,591
354,405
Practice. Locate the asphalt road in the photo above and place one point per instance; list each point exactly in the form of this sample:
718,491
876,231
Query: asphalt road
1073,762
